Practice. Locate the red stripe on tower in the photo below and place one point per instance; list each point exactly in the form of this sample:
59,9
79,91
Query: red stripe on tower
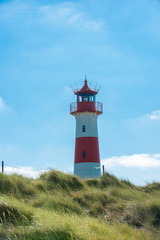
86,150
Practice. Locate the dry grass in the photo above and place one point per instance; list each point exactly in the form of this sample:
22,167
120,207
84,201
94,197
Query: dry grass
61,206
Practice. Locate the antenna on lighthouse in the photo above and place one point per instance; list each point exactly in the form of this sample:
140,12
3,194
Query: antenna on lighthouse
72,87
96,86
85,82
99,88
76,86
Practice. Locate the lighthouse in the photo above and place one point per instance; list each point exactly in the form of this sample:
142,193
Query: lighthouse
86,111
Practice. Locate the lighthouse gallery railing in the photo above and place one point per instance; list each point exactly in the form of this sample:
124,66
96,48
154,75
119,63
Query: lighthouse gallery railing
98,107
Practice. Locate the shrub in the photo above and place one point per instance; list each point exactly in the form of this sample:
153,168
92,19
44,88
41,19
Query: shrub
6,184
93,182
16,185
14,215
92,201
59,202
108,180
151,187
154,211
128,183
57,179
144,215
49,234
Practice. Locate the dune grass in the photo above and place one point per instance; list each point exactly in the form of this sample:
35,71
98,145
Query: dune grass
63,207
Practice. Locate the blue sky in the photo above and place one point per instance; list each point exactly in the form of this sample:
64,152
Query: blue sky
46,48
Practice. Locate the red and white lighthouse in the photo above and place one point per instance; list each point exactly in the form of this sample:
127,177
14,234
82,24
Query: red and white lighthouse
86,111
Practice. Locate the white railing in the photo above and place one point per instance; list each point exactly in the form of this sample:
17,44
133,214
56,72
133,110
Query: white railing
98,107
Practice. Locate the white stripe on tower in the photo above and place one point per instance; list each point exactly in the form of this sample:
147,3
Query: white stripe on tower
86,125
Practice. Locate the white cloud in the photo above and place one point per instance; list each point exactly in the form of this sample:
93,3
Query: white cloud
155,115
68,14
135,160
28,172
24,171
46,157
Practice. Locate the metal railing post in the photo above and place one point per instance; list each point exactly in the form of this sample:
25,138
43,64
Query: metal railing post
2,166
103,169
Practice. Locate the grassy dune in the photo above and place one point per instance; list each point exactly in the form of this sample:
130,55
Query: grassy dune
60,206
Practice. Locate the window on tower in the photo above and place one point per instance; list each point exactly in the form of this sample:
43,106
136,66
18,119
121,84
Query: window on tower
84,154
83,128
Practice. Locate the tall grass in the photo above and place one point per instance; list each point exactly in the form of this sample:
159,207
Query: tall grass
57,179
17,185
62,206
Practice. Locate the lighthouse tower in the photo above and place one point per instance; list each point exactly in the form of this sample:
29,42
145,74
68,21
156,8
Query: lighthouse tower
86,111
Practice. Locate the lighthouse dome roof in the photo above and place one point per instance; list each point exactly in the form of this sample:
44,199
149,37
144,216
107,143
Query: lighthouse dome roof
85,89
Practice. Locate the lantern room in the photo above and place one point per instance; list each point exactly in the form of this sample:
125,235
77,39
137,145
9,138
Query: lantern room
86,101
86,97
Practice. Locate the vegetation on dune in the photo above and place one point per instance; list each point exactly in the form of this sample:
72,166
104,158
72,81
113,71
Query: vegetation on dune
57,179
63,207
15,215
